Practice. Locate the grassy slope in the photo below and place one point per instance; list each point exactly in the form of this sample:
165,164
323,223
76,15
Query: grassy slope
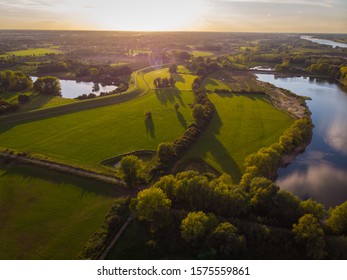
36,101
90,136
241,125
48,215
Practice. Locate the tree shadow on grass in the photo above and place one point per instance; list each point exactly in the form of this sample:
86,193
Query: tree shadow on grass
216,148
150,129
178,78
169,96
181,119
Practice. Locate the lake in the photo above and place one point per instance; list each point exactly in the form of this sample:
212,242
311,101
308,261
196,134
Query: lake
321,171
324,42
72,89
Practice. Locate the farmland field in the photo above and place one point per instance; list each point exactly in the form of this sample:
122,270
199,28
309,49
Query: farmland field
49,215
33,52
90,136
242,124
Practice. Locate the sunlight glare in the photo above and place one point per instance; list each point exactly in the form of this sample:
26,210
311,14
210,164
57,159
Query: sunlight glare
152,15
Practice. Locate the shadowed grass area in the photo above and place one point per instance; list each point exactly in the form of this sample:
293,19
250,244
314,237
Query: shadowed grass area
49,215
242,124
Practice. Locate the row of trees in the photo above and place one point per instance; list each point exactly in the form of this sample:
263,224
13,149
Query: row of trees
266,160
168,153
164,82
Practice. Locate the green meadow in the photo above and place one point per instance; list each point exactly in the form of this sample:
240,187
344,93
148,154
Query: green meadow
90,136
49,215
242,124
34,52
201,53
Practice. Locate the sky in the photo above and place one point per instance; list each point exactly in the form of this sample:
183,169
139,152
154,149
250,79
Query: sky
309,16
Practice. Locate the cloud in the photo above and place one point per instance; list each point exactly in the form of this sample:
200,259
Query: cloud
324,3
323,182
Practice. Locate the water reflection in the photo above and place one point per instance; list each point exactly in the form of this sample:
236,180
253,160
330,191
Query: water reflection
321,171
336,136
324,42
73,89
320,181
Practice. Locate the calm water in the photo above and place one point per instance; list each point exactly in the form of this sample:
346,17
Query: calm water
72,89
324,42
321,171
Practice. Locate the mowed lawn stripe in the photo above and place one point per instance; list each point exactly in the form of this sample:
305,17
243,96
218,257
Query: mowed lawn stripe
243,124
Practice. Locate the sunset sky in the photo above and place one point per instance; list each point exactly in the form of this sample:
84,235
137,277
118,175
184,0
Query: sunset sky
174,15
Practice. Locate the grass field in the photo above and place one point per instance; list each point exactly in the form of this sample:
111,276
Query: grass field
243,123
91,136
36,101
201,53
33,52
184,79
49,215
231,81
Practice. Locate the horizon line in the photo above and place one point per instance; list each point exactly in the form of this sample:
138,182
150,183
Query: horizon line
167,31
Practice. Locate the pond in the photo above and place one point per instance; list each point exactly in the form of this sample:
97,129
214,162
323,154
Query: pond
321,171
73,89
324,42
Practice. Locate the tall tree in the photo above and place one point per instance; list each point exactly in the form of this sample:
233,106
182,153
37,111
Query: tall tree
196,226
152,205
309,236
337,220
129,169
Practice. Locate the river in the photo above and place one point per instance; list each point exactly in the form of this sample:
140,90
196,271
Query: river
321,171
72,89
324,42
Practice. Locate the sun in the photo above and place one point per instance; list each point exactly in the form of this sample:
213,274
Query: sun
152,15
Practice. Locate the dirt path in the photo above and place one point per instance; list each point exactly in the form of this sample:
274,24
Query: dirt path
114,240
63,168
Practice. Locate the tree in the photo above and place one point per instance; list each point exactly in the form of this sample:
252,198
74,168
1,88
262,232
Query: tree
23,98
198,112
152,205
196,226
129,170
166,153
263,193
226,242
309,236
310,206
48,85
173,68
337,220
